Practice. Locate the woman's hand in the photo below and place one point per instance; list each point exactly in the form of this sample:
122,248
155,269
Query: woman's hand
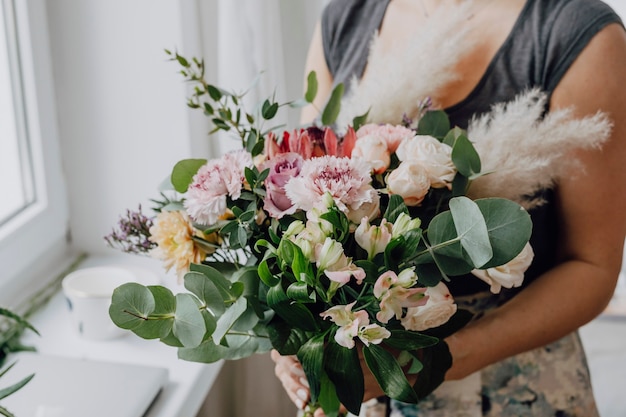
290,373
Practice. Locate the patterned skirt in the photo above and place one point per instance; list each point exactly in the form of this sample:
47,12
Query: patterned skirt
551,381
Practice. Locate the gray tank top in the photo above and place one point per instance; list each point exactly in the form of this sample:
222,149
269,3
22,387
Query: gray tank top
544,42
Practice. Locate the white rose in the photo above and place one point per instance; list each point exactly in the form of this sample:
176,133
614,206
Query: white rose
509,275
410,181
370,209
437,310
374,150
435,156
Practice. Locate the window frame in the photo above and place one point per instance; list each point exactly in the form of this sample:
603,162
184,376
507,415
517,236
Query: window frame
34,240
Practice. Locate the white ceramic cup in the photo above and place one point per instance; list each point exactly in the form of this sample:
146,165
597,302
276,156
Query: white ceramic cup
88,292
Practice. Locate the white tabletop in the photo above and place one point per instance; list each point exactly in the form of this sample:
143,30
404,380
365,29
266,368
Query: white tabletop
188,383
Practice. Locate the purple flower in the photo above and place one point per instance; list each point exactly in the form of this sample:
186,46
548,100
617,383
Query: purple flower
282,168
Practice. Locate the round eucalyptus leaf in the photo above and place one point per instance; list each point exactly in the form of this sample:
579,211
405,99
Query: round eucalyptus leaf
131,304
188,325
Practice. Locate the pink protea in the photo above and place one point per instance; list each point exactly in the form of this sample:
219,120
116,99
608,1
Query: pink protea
347,181
213,183
310,142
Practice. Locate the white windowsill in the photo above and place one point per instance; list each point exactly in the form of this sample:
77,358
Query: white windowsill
188,382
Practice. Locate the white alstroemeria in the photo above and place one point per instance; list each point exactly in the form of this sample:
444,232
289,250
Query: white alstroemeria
374,239
294,229
306,247
395,292
331,259
373,333
509,275
404,223
437,310
354,324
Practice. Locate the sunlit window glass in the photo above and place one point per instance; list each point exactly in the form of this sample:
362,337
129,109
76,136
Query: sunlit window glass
16,182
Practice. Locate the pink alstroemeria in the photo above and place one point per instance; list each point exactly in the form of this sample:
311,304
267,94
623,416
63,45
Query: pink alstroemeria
395,292
336,265
354,324
374,239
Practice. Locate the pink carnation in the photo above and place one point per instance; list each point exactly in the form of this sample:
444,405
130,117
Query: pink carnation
392,135
217,179
346,180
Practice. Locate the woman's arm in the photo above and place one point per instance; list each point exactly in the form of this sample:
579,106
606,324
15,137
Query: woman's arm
316,61
592,208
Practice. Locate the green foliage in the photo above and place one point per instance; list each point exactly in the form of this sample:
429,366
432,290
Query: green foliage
8,345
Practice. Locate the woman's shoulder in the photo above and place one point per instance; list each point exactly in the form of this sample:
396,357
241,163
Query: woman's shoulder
351,13
565,27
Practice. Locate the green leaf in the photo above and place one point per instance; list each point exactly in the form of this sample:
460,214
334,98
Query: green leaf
434,123
183,172
214,92
436,360
452,135
206,291
388,374
311,356
299,292
295,314
206,352
248,319
15,387
465,157
328,397
160,321
332,108
359,121
395,207
311,87
189,326
510,227
472,230
228,319
266,275
131,304
285,338
409,340
269,110
223,285
21,321
344,370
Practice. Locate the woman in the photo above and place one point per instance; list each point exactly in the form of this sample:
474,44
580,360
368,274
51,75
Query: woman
524,357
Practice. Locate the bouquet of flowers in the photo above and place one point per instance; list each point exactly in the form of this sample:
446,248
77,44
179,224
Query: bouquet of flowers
332,245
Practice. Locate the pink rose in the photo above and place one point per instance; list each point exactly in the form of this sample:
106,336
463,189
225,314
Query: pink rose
373,149
437,310
390,134
282,168
410,181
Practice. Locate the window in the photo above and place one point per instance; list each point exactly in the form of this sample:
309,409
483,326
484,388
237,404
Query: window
33,208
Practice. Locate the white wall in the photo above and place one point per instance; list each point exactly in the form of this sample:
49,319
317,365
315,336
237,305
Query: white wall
123,120
122,115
